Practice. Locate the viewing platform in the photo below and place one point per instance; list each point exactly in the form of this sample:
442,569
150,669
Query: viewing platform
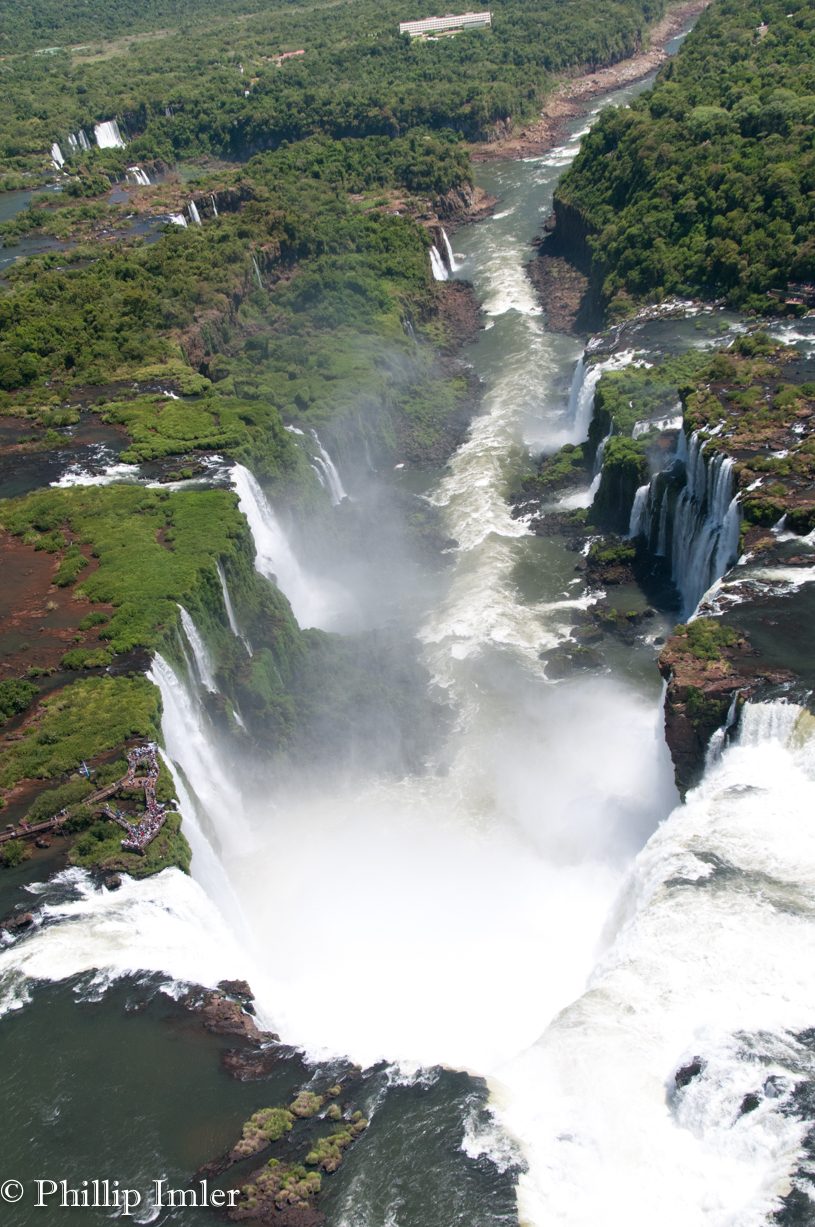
138,834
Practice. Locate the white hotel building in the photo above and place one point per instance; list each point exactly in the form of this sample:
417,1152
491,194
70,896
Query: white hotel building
445,25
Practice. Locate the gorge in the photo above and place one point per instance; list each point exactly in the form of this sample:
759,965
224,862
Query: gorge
414,722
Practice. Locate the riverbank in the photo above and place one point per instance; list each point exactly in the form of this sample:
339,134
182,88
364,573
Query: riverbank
570,99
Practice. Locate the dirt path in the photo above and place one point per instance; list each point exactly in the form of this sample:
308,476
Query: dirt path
569,98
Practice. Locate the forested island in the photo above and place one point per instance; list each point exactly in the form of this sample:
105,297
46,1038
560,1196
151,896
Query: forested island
375,441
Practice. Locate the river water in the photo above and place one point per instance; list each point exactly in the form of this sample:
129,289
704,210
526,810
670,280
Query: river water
510,941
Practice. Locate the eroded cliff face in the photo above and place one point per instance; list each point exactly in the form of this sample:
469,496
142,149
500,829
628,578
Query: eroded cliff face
755,636
711,670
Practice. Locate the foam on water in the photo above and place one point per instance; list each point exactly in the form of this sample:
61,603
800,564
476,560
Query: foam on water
164,924
712,943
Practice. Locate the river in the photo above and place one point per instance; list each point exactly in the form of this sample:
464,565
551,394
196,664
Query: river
488,937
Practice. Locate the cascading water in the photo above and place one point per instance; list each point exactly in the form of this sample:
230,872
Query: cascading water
586,377
178,219
190,743
448,251
438,266
107,135
78,140
200,652
332,479
195,216
139,176
257,273
705,523
638,510
56,156
214,206
230,612
314,603
706,970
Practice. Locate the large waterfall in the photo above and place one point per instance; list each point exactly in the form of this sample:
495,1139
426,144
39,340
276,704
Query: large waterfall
706,971
190,743
195,216
200,652
107,135
327,472
314,602
56,156
704,523
139,176
585,379
531,907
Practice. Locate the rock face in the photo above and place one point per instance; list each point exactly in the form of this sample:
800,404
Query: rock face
711,669
224,1014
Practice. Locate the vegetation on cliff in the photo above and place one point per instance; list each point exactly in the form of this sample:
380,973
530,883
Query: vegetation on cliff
703,186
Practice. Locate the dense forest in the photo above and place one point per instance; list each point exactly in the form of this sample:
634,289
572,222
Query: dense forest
216,86
706,184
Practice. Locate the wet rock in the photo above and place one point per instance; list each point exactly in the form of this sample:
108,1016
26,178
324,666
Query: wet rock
749,1104
42,841
112,881
563,661
18,923
687,1073
254,1064
240,990
223,1015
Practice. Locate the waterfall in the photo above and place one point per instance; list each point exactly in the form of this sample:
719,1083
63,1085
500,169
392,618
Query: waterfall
200,652
214,206
192,746
78,140
638,510
140,176
703,971
451,259
581,395
230,612
274,557
257,273
195,216
705,525
437,265
178,219
326,466
662,535
56,156
704,537
584,384
597,469
107,135
720,736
